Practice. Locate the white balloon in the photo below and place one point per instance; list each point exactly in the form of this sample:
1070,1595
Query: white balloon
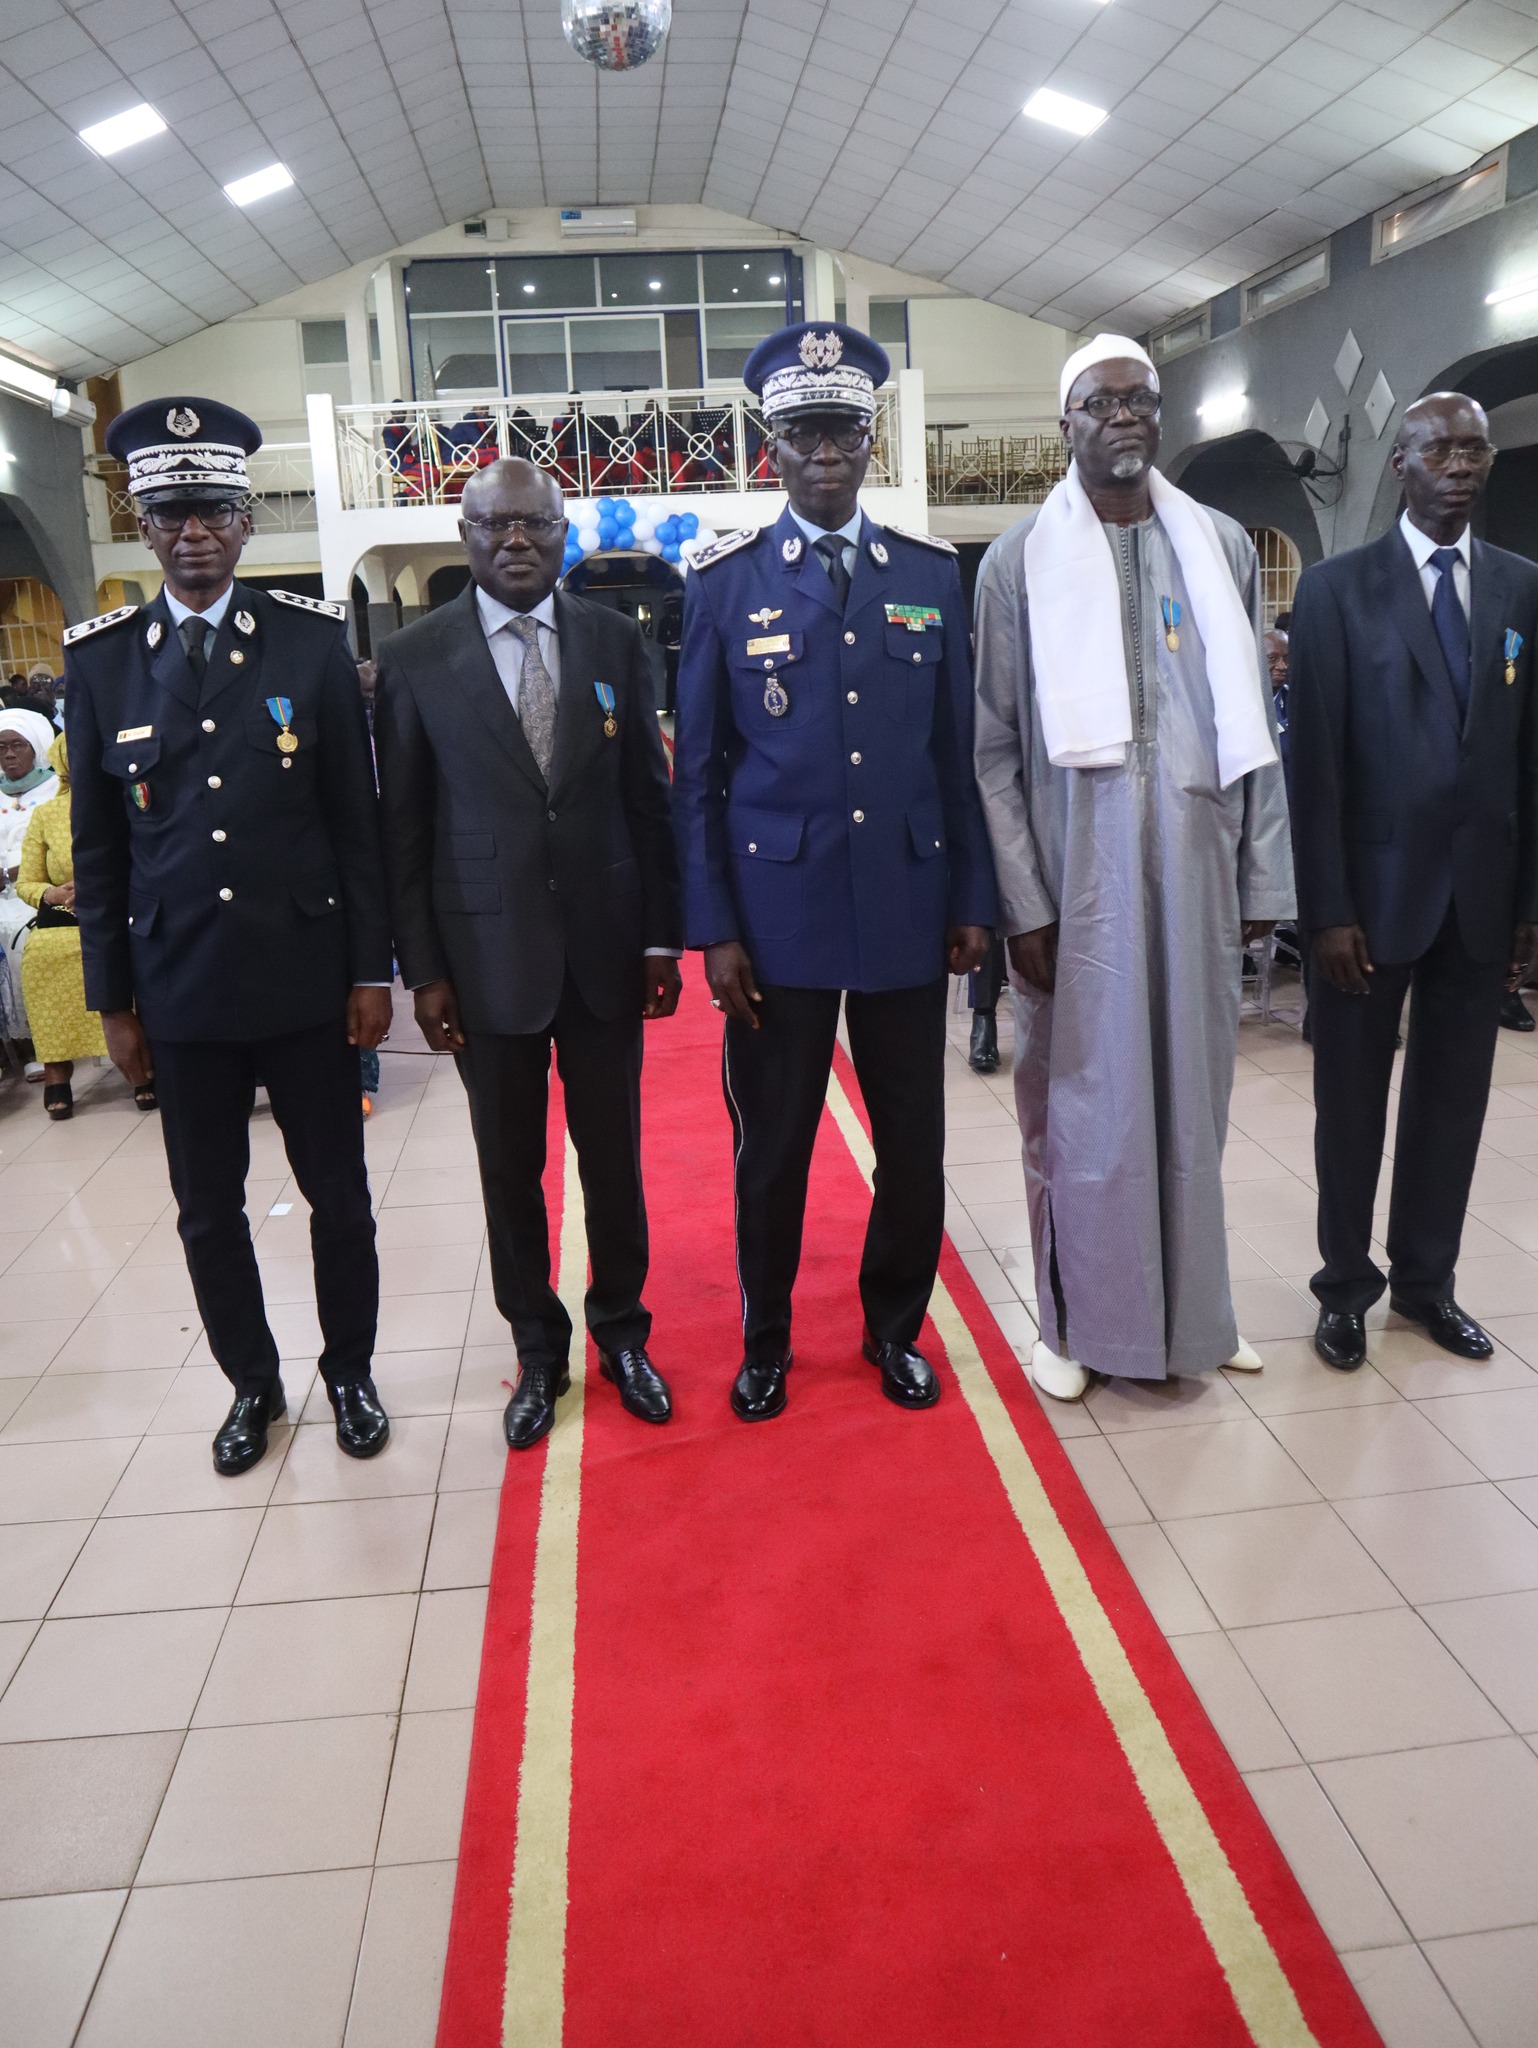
651,546
645,527
705,536
587,538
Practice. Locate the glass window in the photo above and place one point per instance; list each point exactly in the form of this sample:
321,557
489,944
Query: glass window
544,283
450,357
889,326
668,278
745,274
616,355
325,341
450,287
731,335
536,357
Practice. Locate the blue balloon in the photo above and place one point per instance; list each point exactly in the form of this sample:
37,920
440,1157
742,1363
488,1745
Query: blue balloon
624,512
667,532
671,552
689,525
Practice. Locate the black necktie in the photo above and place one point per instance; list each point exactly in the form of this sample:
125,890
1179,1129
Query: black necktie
831,550
194,632
1452,625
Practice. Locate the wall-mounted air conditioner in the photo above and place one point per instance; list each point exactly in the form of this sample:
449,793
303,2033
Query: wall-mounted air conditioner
578,222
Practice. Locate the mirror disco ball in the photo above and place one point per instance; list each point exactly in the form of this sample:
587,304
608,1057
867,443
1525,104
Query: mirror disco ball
616,35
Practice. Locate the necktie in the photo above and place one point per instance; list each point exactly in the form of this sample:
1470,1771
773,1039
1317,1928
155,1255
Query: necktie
194,636
536,695
831,549
1452,626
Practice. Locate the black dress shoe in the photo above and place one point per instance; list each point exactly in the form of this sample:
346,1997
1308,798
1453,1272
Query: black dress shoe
984,1055
242,1439
1446,1324
759,1388
1515,1014
642,1388
1341,1340
531,1412
907,1377
362,1426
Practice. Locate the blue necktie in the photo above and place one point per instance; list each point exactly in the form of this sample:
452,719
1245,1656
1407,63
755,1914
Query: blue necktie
1447,615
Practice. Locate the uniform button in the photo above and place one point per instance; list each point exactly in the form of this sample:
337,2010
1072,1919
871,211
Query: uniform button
331,900
133,767
226,895
849,639
752,846
208,725
219,838
216,782
856,759
854,696
130,920
859,817
551,816
236,656
552,881
917,656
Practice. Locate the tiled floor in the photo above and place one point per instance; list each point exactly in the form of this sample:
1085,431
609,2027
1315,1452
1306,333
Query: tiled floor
235,1716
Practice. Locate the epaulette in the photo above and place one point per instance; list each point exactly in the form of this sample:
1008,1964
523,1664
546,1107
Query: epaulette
98,625
718,550
925,540
323,605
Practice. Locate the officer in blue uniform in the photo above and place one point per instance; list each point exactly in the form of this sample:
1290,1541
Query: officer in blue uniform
231,900
832,842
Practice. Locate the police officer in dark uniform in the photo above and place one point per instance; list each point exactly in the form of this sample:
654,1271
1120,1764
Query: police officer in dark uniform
231,900
832,841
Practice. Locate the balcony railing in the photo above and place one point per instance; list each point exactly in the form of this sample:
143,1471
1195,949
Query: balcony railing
282,493
997,465
648,443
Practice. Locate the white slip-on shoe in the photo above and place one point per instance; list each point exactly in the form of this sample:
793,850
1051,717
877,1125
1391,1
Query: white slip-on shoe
1063,1378
1245,1359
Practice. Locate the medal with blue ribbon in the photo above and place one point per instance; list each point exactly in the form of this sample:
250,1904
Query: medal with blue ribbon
1170,606
605,698
281,710
1513,649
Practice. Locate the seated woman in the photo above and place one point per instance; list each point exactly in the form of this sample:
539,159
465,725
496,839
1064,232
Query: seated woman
53,983
26,780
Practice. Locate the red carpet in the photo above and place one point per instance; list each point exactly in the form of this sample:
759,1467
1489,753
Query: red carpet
841,1773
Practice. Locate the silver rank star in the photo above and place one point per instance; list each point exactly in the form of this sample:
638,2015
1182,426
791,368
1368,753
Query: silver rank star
790,550
154,634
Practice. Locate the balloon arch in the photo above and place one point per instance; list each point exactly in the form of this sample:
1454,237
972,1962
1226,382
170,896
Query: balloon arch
615,525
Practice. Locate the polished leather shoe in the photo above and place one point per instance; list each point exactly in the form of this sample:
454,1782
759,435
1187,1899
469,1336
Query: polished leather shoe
1446,1324
642,1389
983,1057
531,1412
242,1439
907,1377
1515,1014
759,1388
1341,1340
362,1426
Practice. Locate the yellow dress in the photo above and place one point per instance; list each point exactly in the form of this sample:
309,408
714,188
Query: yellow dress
52,978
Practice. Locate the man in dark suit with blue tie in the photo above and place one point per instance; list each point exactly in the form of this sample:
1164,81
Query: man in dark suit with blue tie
1415,819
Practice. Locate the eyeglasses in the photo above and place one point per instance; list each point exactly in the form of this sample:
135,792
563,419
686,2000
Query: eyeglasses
1105,405
807,436
1443,454
537,525
217,518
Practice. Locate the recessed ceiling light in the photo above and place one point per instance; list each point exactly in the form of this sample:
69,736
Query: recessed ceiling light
528,288
654,284
774,280
260,185
136,124
1059,110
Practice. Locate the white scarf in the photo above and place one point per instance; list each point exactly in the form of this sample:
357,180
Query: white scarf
1078,656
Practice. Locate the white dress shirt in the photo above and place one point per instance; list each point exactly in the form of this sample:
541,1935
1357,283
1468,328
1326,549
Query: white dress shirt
849,534
1423,547
213,618
508,651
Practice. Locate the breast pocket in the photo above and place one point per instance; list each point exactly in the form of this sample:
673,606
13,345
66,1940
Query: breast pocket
771,691
266,738
131,758
912,660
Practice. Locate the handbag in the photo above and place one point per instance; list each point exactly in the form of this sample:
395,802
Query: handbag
54,917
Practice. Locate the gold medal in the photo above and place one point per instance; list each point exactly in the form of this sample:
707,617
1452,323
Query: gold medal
1172,642
610,728
288,742
1511,673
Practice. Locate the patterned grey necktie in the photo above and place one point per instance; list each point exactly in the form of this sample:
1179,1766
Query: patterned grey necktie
536,695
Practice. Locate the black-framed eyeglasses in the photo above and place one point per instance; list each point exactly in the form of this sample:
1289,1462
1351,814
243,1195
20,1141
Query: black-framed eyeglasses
215,517
1443,454
1143,404
537,525
807,436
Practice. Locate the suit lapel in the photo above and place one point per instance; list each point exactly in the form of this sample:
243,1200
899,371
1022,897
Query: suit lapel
473,670
1487,629
805,571
168,661
578,720
869,582
222,673
1411,614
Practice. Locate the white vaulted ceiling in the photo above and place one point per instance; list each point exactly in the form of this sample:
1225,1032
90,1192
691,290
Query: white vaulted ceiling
1238,132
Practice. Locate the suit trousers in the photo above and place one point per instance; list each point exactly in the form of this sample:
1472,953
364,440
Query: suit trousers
1455,1004
206,1093
776,1081
507,1078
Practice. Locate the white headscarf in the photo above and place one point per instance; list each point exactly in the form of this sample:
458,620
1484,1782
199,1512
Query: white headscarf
39,735
38,731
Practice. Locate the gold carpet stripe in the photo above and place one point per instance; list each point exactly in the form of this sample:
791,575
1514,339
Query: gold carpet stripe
1260,1988
534,1993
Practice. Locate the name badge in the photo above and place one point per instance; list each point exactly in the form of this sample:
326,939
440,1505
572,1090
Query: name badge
136,732
770,643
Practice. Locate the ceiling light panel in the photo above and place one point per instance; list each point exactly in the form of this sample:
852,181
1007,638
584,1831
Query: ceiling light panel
122,131
1061,110
260,185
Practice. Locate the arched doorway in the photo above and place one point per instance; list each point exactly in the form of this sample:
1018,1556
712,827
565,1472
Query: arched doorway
1251,477
1280,567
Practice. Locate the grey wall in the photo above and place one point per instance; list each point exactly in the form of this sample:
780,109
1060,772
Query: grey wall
41,486
1421,318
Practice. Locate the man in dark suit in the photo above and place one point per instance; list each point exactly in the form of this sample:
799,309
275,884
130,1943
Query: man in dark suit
232,911
1414,756
833,845
534,889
